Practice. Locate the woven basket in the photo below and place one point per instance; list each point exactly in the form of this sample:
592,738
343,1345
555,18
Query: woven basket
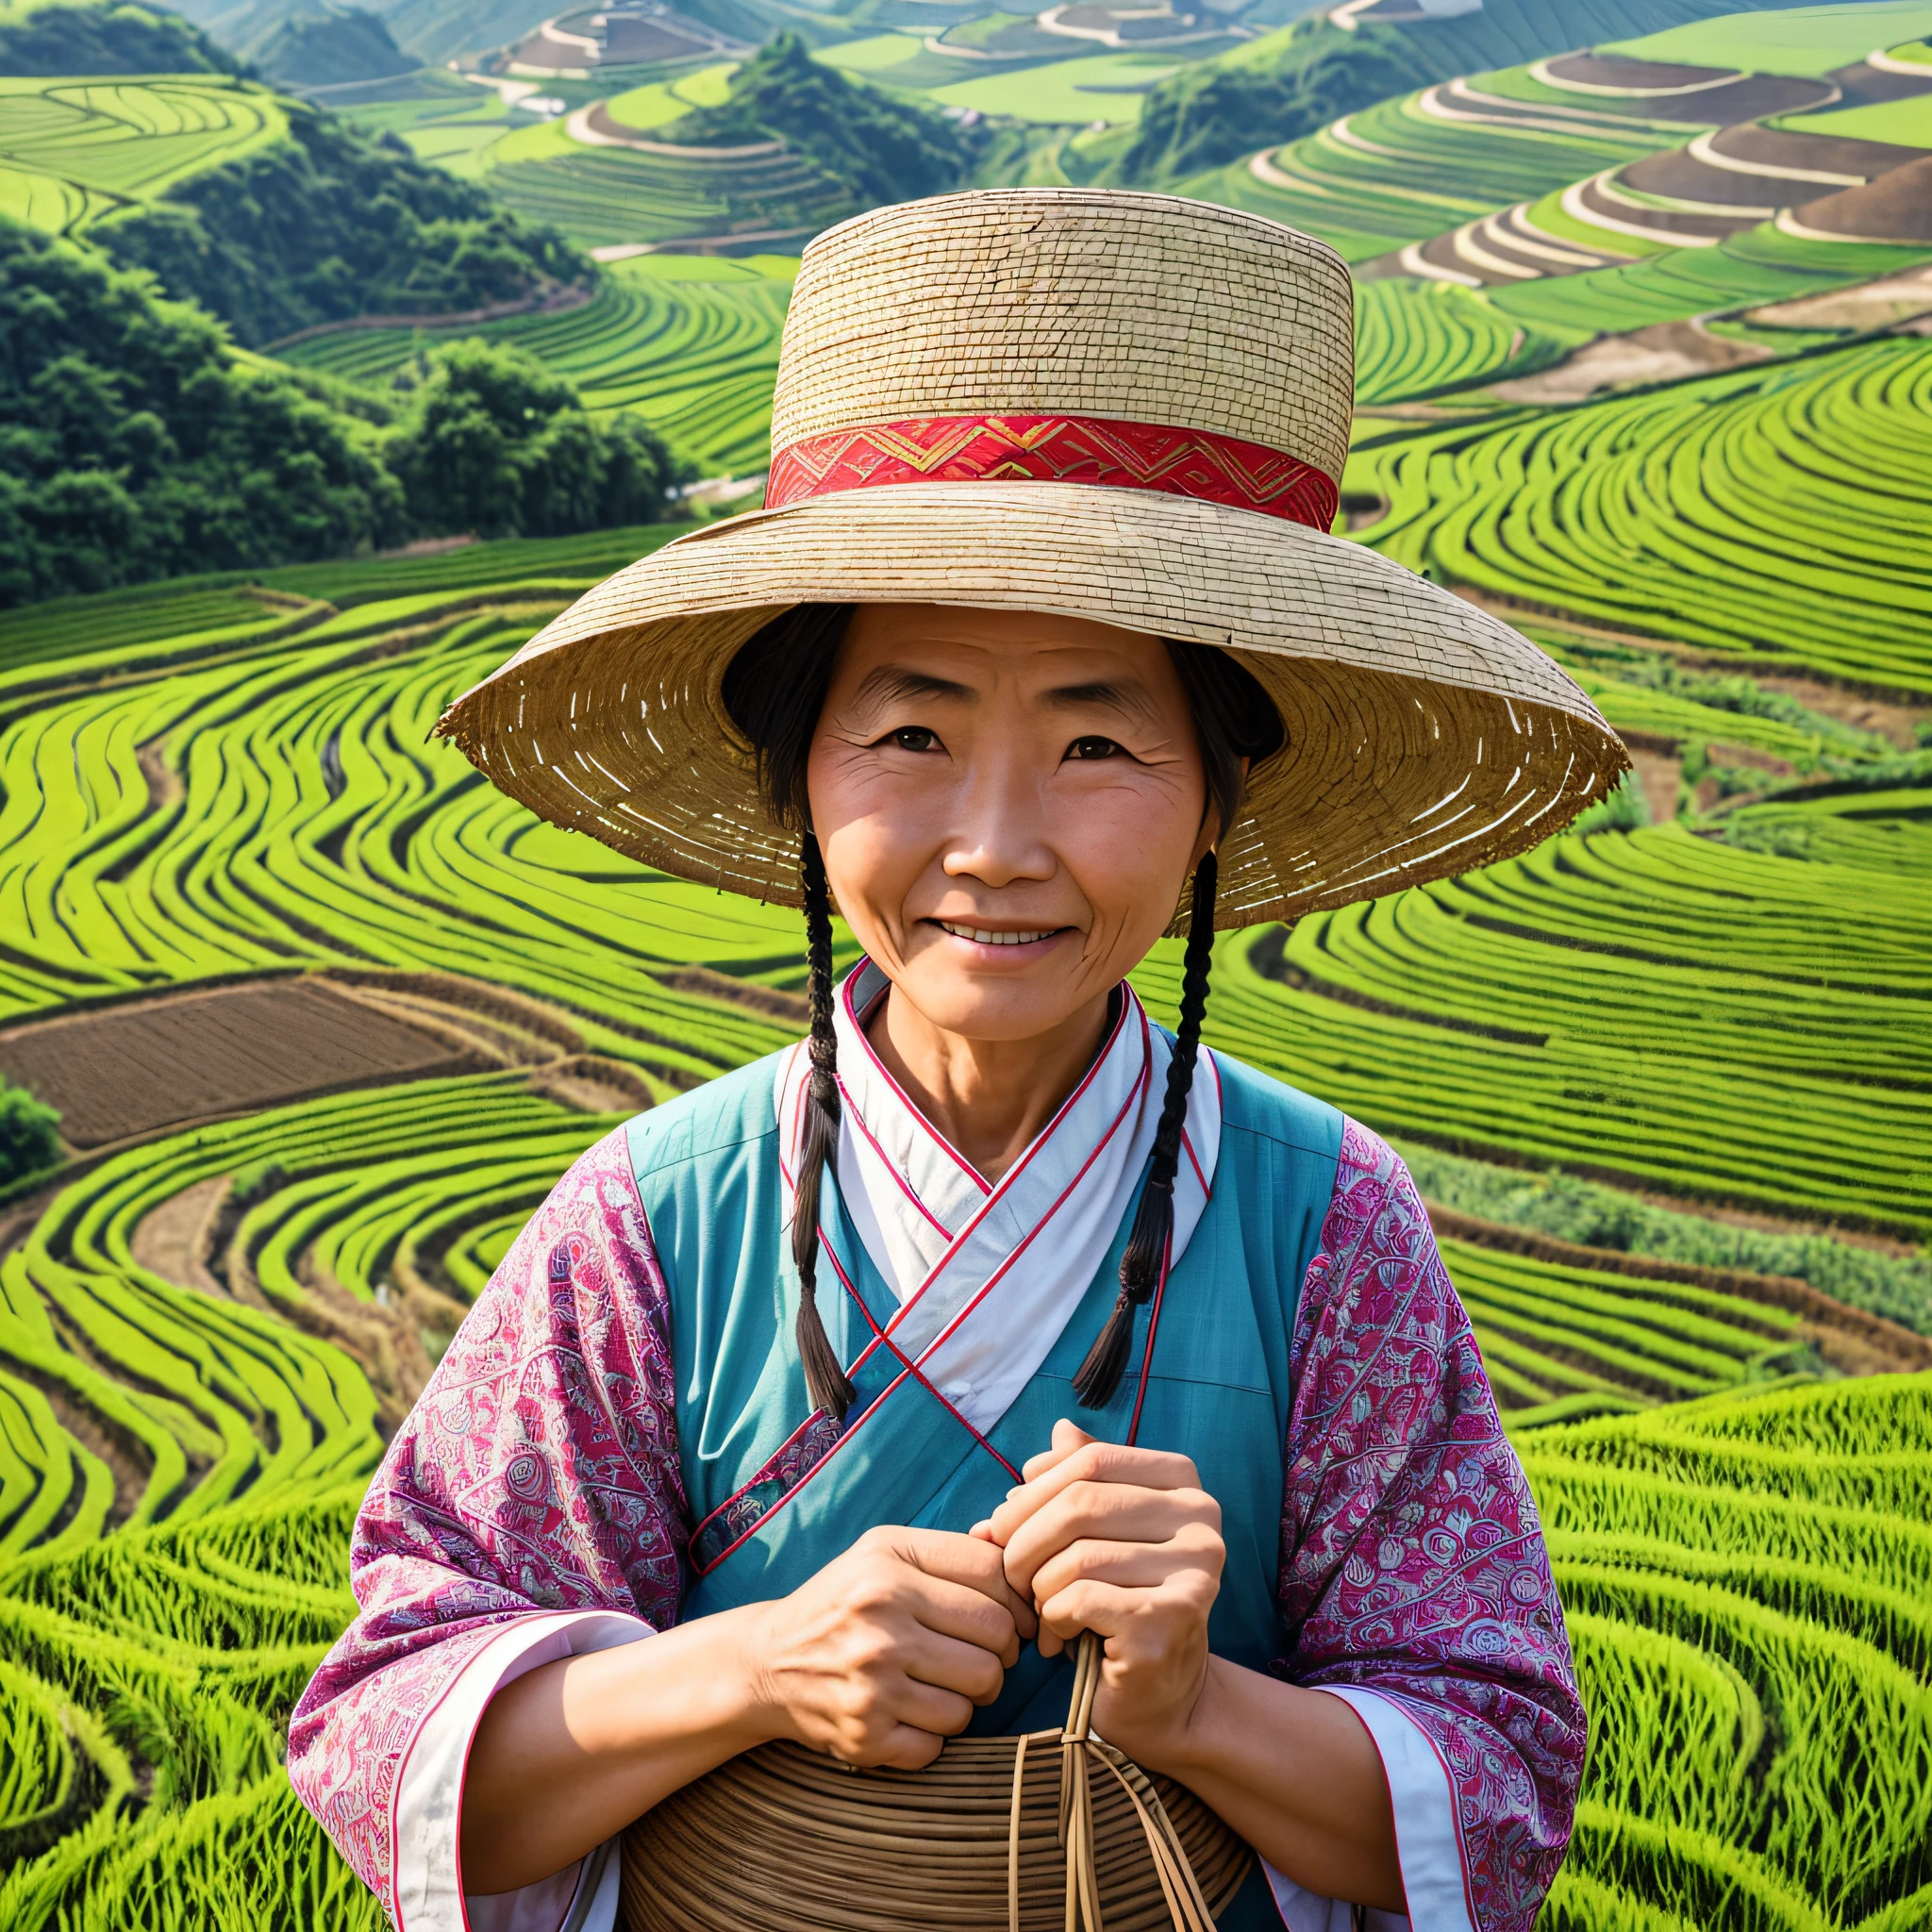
1044,1833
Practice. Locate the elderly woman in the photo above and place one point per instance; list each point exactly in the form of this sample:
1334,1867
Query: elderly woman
832,1402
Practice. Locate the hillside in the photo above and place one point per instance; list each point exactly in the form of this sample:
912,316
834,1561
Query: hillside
273,214
48,37
134,443
880,148
1293,81
1276,89
1642,366
331,49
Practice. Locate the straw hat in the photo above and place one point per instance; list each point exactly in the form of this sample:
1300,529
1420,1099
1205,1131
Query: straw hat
1123,407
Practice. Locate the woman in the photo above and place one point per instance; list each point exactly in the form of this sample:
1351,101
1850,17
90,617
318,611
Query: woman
830,1402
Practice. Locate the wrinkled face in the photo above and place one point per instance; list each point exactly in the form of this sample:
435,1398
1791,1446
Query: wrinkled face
1009,805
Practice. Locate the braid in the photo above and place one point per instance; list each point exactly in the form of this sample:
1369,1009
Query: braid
1099,1375
824,1380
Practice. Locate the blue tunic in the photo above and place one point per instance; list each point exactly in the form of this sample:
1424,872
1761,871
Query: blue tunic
776,1494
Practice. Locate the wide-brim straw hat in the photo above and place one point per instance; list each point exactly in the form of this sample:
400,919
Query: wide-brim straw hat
1122,406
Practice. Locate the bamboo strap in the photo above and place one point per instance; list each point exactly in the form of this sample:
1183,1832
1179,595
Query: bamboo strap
1079,1750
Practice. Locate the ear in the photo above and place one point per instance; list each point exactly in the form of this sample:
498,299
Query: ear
1208,837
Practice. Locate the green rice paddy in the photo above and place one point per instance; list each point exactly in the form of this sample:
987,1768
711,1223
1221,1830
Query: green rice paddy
213,782
75,151
690,342
1775,514
1807,40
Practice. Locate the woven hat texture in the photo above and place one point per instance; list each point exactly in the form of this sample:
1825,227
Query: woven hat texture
1127,408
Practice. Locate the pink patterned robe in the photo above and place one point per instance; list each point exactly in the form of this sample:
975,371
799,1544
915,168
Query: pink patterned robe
533,1504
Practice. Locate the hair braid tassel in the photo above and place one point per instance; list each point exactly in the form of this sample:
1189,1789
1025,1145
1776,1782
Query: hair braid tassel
1099,1375
827,1384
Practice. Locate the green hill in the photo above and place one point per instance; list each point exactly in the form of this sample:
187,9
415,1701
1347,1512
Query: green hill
1276,89
270,213
1294,80
135,443
109,39
882,148
345,43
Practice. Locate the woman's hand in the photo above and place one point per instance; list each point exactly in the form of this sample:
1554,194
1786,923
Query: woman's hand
883,1655
1126,1543
879,1658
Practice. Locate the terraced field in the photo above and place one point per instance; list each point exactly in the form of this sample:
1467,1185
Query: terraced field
1775,514
1603,191
691,343
609,197
74,152
211,1319
1748,1580
1416,339
204,1335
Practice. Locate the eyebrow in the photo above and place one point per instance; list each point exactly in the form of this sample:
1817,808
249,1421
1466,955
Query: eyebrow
1127,696
889,683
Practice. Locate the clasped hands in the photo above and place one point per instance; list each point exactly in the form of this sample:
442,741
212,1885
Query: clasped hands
885,1652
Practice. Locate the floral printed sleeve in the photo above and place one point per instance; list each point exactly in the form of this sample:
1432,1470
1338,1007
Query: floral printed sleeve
530,1507
1415,1580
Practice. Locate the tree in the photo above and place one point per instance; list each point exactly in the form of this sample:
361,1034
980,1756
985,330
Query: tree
490,441
29,1134
134,444
882,148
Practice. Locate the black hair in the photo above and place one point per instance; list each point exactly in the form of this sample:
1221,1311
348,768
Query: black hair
773,692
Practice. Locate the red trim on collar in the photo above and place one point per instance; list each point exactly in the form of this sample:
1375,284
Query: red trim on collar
1200,463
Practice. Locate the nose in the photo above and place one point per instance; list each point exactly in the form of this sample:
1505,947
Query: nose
1000,835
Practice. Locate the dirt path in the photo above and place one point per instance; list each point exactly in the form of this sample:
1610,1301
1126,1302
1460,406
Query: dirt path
172,1241
1663,352
1850,1341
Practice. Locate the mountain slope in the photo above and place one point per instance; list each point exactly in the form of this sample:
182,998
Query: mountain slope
882,148
1300,77
327,223
92,39
345,43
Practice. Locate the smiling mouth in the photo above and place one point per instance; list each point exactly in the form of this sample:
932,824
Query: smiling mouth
983,935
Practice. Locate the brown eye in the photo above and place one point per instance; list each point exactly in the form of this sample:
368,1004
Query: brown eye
914,737
1093,748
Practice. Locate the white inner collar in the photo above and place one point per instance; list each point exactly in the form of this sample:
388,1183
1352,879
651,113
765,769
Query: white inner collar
987,1276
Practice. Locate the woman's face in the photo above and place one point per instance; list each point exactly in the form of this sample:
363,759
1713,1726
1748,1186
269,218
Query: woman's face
1009,805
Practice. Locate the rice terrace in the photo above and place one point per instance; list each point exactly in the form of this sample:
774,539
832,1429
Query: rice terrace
343,347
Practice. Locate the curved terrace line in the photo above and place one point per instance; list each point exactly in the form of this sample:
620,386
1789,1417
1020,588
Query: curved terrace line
1540,70
1545,249
1678,205
1415,262
1467,248
1702,149
578,127
1912,70
1263,169
1572,205
1431,102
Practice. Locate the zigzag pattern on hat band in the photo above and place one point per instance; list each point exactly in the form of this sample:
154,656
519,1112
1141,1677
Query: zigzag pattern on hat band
1056,449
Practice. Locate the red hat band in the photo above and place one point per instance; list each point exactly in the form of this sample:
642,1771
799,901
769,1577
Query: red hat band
1103,451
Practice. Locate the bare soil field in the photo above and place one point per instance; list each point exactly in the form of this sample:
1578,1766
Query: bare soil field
1611,70
1744,99
127,1070
1871,305
1681,174
1895,208
1668,220
1658,352
1865,86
